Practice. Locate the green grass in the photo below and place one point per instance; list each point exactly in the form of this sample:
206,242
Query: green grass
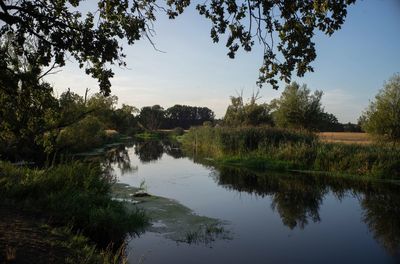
75,194
278,149
81,250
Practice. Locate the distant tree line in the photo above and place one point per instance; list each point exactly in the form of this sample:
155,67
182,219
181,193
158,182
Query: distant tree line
183,116
297,108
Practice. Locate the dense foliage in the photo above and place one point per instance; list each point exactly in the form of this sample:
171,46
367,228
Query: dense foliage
251,113
298,108
178,116
74,194
382,117
185,116
93,38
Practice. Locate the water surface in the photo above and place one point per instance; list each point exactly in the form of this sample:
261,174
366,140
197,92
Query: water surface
272,217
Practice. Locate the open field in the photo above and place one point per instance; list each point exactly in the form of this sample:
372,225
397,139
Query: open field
345,137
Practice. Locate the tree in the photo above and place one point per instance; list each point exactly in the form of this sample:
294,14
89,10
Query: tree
239,113
185,116
124,119
27,106
382,117
151,117
298,108
60,29
103,107
329,123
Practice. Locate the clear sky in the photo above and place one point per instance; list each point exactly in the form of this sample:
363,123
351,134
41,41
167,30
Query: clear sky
350,68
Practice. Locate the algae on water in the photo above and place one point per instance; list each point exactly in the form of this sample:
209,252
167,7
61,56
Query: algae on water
172,219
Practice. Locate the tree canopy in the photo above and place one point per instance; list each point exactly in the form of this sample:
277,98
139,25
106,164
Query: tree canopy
185,116
60,29
178,116
251,113
298,108
382,117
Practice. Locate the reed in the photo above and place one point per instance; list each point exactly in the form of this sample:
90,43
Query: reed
272,148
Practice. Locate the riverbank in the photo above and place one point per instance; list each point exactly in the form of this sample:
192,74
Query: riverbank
268,148
28,238
71,199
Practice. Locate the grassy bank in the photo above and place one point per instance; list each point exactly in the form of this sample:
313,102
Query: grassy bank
75,195
279,149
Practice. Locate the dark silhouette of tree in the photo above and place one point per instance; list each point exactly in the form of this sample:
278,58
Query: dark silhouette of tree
185,116
329,123
151,117
60,29
27,106
286,26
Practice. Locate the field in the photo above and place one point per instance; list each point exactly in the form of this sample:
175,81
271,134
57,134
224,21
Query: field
345,137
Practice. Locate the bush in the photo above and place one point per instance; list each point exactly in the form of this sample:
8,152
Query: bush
86,134
76,194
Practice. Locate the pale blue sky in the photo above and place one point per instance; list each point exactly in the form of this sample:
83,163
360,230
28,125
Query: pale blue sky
350,68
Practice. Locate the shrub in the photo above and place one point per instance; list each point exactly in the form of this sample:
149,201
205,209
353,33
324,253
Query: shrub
86,134
76,194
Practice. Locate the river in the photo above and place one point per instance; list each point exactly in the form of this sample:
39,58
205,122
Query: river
271,217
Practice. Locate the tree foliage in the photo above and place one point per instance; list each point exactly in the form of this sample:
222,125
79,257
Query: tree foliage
151,117
251,113
60,29
295,23
178,116
185,116
27,105
298,108
382,117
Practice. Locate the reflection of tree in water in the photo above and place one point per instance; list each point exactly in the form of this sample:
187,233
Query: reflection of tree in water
152,150
173,149
297,199
149,150
296,208
120,157
382,215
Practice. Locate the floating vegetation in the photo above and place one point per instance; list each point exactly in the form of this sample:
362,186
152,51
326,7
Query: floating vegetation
172,219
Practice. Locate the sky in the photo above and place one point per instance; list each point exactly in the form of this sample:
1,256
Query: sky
351,66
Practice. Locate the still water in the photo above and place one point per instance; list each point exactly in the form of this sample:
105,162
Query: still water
272,218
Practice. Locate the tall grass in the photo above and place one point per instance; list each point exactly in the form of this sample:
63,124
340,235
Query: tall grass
265,147
220,141
75,194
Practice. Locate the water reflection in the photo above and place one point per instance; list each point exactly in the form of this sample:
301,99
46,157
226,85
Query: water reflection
152,150
382,215
149,150
297,199
118,156
146,150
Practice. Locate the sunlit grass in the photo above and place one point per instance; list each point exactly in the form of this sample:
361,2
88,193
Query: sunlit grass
277,149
